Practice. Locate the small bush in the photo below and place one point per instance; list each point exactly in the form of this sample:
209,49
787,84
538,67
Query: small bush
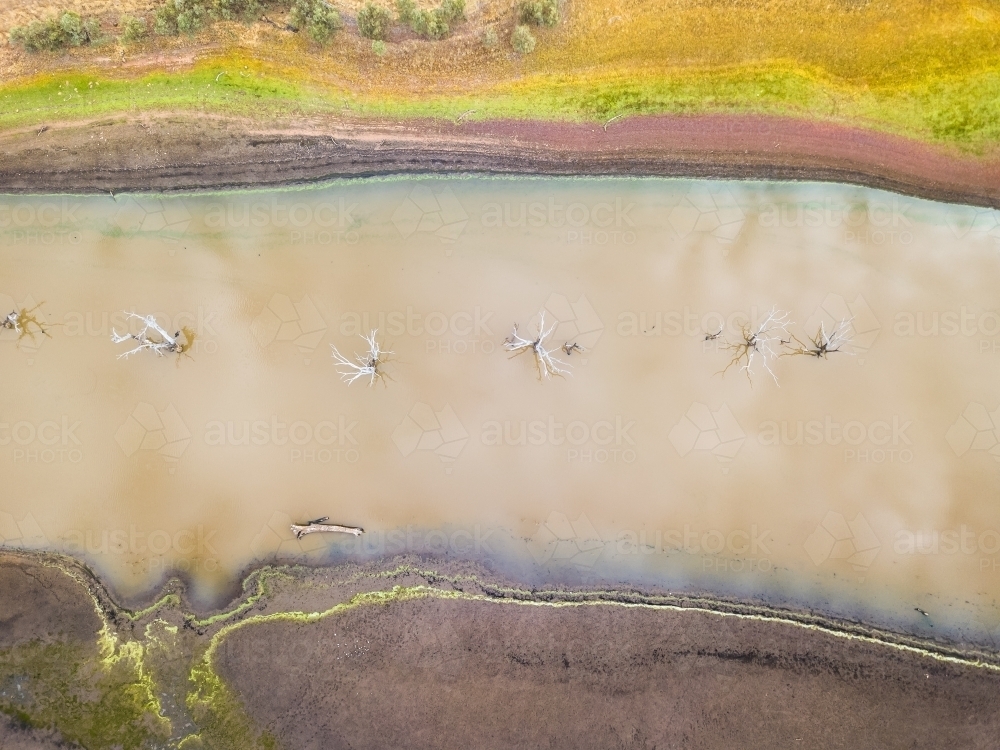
133,29
522,41
431,24
374,21
406,11
490,38
539,12
453,10
238,10
378,47
319,20
181,16
58,32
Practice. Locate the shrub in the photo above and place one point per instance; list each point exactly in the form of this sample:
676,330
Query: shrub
431,24
406,11
319,20
133,29
374,21
490,38
177,16
378,47
539,12
58,32
522,41
453,10
242,10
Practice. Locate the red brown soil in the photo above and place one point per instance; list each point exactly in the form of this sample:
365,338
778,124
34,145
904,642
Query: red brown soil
162,152
451,674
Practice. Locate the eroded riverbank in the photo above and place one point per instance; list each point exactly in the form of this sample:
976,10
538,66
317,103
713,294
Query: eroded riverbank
442,644
164,152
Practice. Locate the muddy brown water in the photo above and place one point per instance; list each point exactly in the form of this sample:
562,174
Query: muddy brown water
864,480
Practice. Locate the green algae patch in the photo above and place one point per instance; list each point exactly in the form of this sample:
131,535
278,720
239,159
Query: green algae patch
93,700
221,718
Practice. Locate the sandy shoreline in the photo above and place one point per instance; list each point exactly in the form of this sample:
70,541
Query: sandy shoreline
182,152
444,646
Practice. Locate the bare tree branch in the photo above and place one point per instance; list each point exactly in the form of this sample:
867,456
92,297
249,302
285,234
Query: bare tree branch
25,323
823,343
759,343
545,363
367,365
153,337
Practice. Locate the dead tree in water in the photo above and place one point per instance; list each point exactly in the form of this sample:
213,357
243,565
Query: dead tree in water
823,343
367,365
25,322
545,363
153,337
760,343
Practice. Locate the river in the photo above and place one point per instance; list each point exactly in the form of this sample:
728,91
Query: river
861,484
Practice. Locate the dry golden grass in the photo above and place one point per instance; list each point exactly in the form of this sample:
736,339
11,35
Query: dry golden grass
927,67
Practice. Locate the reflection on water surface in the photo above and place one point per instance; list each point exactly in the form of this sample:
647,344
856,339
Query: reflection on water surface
865,479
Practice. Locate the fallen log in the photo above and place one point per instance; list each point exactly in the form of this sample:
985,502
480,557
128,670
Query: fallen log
300,530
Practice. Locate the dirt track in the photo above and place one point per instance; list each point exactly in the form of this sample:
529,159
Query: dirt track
177,152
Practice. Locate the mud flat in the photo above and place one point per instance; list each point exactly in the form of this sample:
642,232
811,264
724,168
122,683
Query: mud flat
418,653
170,152
431,673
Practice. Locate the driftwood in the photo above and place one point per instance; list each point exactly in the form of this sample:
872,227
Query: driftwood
318,525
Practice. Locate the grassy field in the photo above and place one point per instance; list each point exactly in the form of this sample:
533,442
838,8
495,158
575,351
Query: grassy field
922,68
